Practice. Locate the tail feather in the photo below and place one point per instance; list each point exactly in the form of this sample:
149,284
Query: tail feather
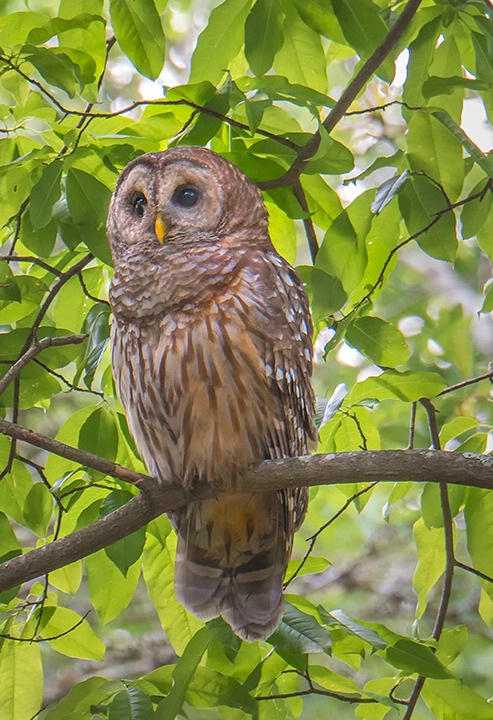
231,559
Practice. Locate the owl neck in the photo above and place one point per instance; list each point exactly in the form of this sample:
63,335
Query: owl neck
154,282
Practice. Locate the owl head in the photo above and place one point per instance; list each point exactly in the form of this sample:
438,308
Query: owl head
181,196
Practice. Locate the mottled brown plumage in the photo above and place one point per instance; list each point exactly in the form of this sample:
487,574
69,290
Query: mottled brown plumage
211,352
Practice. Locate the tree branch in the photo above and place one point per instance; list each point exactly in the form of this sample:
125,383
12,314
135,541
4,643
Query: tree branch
34,350
338,468
350,94
450,563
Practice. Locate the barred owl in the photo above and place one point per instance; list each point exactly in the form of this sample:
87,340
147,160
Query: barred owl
211,353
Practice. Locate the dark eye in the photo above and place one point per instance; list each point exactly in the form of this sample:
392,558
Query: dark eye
139,204
185,197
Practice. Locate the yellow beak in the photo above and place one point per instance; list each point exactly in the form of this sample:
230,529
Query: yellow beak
160,229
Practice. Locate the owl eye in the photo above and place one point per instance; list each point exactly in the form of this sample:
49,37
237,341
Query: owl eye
139,204
185,197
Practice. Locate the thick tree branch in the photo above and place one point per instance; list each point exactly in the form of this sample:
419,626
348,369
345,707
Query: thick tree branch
339,468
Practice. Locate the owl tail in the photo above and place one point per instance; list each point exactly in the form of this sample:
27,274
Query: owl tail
231,559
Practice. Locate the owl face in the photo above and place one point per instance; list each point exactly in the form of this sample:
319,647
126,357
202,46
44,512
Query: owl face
185,194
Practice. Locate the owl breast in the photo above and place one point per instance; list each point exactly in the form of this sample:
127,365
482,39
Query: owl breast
195,390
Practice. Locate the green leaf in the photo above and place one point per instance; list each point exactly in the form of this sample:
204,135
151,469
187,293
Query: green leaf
183,674
343,252
404,386
137,27
283,232
220,42
362,24
328,295
9,288
412,657
9,548
353,627
421,52
319,15
420,201
300,633
77,638
446,85
456,427
58,25
67,578
485,162
42,241
45,194
331,158
277,87
88,200
110,591
14,489
15,26
334,682
478,514
78,701
487,305
475,213
125,552
21,680
56,467
301,58
312,565
431,509
453,700
38,508
433,149
380,341
431,561
8,540
57,68
323,202
99,434
130,704
159,554
263,35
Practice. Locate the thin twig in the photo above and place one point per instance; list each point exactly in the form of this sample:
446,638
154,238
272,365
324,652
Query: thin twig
450,562
311,235
18,220
87,293
34,350
313,538
55,289
437,216
466,383
412,426
33,260
46,639
473,571
66,382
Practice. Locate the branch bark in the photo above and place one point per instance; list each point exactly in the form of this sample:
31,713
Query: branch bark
340,468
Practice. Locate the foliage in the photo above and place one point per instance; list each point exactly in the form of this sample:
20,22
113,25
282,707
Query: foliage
400,315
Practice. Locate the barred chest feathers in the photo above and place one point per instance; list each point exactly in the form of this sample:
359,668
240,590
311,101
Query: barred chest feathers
194,387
